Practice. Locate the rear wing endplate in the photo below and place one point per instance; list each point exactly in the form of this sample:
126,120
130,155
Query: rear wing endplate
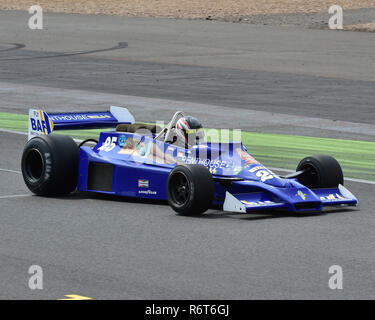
41,123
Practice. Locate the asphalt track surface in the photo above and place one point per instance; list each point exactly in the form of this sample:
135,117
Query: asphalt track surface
108,248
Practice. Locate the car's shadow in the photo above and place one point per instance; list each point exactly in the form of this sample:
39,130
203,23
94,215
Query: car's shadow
214,212
106,197
271,214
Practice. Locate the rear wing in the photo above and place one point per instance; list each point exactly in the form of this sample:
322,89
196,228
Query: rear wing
41,123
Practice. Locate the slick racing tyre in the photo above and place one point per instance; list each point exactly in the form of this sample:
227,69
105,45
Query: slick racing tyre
50,165
190,189
321,171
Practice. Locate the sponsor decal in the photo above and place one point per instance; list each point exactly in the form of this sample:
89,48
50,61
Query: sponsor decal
257,203
216,164
237,170
134,147
301,195
80,117
147,192
48,170
143,183
76,117
128,145
99,117
40,123
147,150
246,157
332,197
69,118
121,140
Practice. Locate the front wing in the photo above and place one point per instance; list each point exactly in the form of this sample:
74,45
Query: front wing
294,200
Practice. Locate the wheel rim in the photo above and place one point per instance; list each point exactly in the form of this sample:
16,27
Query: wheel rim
34,165
311,177
180,189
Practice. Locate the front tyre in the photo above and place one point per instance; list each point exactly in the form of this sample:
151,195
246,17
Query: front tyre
190,189
50,165
321,171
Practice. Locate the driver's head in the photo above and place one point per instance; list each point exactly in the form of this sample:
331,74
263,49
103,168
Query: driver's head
189,129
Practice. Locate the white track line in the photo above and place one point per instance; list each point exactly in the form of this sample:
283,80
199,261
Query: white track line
12,131
25,134
15,196
271,168
360,180
12,171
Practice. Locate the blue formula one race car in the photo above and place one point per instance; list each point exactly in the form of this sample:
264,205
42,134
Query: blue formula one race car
174,163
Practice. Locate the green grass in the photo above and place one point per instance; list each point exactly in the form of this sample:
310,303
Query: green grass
274,150
356,157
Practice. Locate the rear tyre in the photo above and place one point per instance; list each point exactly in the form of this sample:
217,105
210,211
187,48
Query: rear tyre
321,171
50,165
190,189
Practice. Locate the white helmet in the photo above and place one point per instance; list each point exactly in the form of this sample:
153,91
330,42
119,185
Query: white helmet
189,130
